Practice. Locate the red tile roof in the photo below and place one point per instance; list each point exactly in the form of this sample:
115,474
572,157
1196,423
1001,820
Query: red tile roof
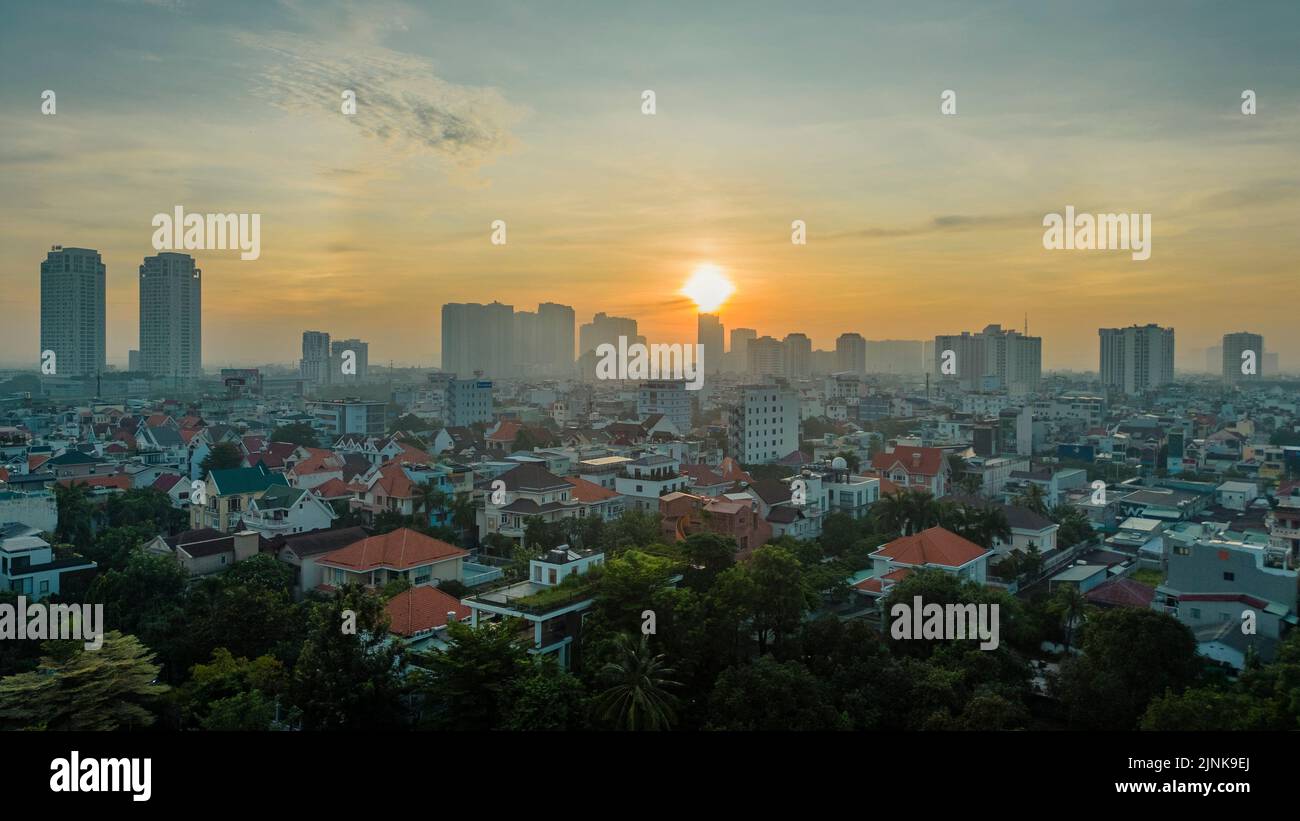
422,608
933,546
332,489
507,431
1121,592
120,482
166,481
585,491
401,549
922,461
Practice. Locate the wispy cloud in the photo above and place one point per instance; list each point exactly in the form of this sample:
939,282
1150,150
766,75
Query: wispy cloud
399,100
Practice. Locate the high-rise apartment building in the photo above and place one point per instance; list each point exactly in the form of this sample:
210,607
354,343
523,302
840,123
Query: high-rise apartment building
1243,355
901,356
763,424
346,369
738,353
604,329
851,353
709,333
479,338
555,327
171,316
798,356
992,359
1138,358
766,357
72,310
314,367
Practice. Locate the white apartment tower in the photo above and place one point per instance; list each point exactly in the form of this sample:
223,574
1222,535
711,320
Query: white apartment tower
763,424
1138,358
992,359
72,310
171,329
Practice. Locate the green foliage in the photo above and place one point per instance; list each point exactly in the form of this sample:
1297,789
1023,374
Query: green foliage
1130,656
544,697
638,683
223,456
76,515
473,680
299,433
773,695
112,688
349,681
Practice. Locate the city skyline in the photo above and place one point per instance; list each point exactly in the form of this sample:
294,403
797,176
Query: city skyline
918,224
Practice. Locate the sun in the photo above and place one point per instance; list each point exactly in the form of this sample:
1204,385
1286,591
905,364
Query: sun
708,288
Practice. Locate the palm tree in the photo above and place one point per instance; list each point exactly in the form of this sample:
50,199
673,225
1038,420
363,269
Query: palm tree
990,525
891,512
1033,498
428,498
1069,604
464,511
970,484
638,697
908,511
923,511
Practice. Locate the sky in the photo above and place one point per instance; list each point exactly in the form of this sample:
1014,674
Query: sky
918,223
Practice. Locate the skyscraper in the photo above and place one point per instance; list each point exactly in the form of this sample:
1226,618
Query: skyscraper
798,356
1138,358
479,338
1243,355
992,359
555,327
314,367
709,333
171,329
766,357
851,353
738,354
605,329
72,310
349,370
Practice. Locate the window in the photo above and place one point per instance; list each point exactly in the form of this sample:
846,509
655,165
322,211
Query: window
1196,612
550,574
1229,577
45,586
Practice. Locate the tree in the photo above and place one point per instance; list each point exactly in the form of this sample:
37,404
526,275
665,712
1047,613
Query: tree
546,697
223,456
232,693
771,589
298,433
473,679
1074,525
410,423
706,555
75,514
464,512
112,688
349,680
1205,709
633,529
1069,604
1129,657
772,695
637,696
1033,498
427,498
145,507
907,511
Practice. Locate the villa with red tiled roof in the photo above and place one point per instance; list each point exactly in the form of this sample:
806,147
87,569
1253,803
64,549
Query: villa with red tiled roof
420,616
933,548
915,468
402,553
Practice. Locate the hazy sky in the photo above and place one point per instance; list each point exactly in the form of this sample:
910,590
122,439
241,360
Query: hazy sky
918,223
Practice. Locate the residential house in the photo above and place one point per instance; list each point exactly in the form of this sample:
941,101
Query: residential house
28,566
205,551
402,553
226,495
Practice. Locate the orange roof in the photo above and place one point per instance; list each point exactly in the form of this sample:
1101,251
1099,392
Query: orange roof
411,455
318,459
422,608
393,481
507,431
923,461
584,491
4,475
118,481
34,462
732,471
335,488
400,550
933,546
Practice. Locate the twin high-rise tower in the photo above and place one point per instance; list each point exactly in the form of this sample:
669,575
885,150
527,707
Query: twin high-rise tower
73,314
